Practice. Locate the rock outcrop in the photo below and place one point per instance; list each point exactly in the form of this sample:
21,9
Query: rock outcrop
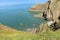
54,8
50,11
38,8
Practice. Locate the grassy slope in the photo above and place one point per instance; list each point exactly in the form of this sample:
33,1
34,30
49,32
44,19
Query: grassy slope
17,35
48,35
22,35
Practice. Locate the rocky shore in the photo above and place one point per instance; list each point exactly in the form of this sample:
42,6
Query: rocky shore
6,28
51,9
50,12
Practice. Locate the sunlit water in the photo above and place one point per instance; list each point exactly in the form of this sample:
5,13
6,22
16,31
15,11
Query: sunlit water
19,17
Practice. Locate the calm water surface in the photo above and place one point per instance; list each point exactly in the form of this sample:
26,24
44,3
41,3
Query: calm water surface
19,17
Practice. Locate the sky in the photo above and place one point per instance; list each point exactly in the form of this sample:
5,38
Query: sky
15,2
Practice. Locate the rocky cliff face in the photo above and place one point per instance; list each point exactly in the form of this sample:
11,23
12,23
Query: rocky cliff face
54,8
38,8
50,10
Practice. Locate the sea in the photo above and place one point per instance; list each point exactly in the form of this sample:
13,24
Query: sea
19,17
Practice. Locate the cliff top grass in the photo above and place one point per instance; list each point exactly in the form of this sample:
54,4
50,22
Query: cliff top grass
22,35
49,35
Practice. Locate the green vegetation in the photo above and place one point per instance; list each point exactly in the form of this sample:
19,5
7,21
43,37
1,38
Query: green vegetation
17,35
21,35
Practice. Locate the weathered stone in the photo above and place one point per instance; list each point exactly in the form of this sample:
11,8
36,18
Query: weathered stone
38,8
51,9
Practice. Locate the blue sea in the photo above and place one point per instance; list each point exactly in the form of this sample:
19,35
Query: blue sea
19,17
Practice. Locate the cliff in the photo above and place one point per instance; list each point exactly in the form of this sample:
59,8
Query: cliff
38,8
54,8
50,10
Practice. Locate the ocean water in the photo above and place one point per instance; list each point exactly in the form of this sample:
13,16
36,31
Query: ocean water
19,17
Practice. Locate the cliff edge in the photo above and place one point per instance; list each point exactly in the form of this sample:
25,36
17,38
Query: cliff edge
50,12
51,9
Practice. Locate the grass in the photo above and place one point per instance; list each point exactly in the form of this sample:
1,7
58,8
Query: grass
46,34
19,35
